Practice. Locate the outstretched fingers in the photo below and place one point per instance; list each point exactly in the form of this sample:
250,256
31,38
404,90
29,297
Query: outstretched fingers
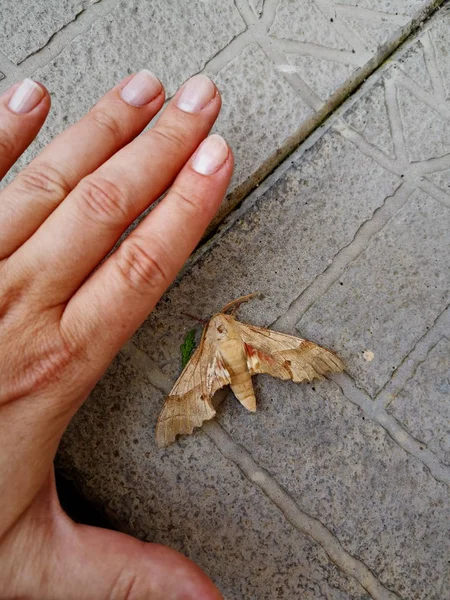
112,303
84,228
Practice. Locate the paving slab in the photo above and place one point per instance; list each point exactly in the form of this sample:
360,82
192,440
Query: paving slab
193,499
423,406
390,295
27,26
338,489
281,65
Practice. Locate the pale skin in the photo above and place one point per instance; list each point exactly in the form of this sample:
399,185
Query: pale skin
62,319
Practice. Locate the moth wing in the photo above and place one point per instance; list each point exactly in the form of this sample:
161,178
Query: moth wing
188,404
286,356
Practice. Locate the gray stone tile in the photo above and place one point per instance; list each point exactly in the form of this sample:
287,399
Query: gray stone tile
426,132
26,26
313,27
441,46
412,62
441,179
369,117
389,296
278,247
257,6
191,498
423,406
345,470
335,38
255,119
135,35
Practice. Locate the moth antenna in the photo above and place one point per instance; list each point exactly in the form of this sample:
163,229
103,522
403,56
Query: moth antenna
235,304
195,318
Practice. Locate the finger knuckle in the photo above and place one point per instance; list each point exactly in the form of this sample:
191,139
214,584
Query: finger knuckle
45,362
108,123
44,180
102,201
173,136
139,267
191,203
7,144
127,587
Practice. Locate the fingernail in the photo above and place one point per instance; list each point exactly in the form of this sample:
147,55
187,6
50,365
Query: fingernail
211,155
26,97
142,89
196,94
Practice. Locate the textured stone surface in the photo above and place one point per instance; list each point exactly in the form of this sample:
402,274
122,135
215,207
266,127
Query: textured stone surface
26,26
323,76
191,498
423,405
282,243
427,133
390,295
247,106
414,65
257,6
370,118
312,27
345,470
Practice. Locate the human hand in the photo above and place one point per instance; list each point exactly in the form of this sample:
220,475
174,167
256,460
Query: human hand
62,319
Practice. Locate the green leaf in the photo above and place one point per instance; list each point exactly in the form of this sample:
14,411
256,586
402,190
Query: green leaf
187,347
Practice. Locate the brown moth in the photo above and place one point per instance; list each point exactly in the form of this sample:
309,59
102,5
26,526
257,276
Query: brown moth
229,353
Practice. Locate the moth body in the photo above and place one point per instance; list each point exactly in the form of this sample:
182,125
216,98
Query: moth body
232,352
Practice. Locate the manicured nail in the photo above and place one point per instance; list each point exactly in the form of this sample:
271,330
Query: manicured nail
196,94
211,155
142,89
26,97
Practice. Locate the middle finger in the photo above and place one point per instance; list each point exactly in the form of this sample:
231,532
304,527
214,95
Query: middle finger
84,228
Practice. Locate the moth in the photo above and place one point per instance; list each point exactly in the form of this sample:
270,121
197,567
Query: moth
230,353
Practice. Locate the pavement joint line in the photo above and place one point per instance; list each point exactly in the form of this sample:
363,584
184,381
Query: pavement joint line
393,428
60,39
328,9
408,367
260,477
432,67
300,519
345,57
435,192
8,68
344,257
371,15
395,124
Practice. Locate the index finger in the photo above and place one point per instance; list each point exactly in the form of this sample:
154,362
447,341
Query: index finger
112,304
